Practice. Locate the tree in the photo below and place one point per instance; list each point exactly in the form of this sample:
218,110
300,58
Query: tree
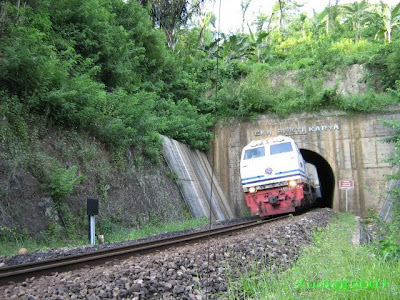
286,10
302,20
256,41
10,14
261,20
280,15
317,22
205,23
356,13
244,4
170,15
386,19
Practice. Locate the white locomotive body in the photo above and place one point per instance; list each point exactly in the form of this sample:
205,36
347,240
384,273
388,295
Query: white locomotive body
275,178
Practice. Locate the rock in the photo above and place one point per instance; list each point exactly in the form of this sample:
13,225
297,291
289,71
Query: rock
179,289
135,287
167,285
196,281
83,292
23,251
153,289
102,294
190,272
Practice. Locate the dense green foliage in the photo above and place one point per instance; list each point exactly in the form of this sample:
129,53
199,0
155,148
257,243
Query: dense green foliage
98,66
102,67
281,68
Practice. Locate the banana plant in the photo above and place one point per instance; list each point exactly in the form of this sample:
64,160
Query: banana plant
257,41
356,13
208,20
317,22
386,19
236,46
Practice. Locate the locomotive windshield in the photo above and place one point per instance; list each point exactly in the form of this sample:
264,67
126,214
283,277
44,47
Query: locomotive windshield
281,148
254,153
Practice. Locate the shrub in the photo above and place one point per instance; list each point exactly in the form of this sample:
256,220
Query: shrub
368,102
63,182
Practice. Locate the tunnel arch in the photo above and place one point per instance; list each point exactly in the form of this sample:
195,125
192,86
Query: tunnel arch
325,174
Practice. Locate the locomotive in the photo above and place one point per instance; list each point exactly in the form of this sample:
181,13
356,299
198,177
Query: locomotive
276,179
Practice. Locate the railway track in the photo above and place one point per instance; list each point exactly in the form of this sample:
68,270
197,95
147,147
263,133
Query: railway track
18,273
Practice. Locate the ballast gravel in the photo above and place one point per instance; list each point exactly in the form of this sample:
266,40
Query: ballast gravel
184,272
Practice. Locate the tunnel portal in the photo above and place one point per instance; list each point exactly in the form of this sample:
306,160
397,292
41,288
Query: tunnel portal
325,175
342,147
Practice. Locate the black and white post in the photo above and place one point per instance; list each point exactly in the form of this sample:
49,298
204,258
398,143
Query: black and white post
92,211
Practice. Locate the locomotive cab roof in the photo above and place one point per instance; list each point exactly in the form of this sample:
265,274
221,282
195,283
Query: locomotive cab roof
272,140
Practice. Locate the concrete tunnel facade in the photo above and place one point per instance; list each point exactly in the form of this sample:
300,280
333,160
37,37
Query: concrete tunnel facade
342,147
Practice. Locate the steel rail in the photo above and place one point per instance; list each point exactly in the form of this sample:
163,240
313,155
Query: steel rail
20,272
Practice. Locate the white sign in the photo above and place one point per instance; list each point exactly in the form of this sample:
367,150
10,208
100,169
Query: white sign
346,184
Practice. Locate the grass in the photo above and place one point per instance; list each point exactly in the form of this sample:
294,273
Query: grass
322,271
114,233
11,242
9,248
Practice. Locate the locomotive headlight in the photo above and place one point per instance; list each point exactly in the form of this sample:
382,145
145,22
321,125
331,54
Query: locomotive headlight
252,189
292,183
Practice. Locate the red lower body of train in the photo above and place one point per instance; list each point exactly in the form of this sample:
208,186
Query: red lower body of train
279,200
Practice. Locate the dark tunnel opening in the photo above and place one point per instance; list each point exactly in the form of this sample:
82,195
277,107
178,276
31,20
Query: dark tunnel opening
325,175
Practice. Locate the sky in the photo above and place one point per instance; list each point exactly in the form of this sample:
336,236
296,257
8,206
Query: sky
231,14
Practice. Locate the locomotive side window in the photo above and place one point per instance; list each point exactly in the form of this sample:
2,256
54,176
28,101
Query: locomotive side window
281,148
254,153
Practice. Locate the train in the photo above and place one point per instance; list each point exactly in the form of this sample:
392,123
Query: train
276,179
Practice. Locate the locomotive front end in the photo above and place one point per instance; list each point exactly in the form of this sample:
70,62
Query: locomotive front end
273,175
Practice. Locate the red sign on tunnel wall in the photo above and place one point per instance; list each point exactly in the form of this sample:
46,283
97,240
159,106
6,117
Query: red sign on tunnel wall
346,184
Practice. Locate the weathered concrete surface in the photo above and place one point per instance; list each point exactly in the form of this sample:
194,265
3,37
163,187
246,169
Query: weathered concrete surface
351,145
349,80
193,174
386,211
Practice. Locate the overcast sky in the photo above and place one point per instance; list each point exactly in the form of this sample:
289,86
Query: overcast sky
231,13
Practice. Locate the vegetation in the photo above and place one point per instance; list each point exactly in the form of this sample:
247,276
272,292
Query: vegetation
97,66
11,240
116,233
105,66
102,67
313,278
389,245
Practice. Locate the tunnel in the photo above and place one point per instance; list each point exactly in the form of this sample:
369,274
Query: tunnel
325,175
